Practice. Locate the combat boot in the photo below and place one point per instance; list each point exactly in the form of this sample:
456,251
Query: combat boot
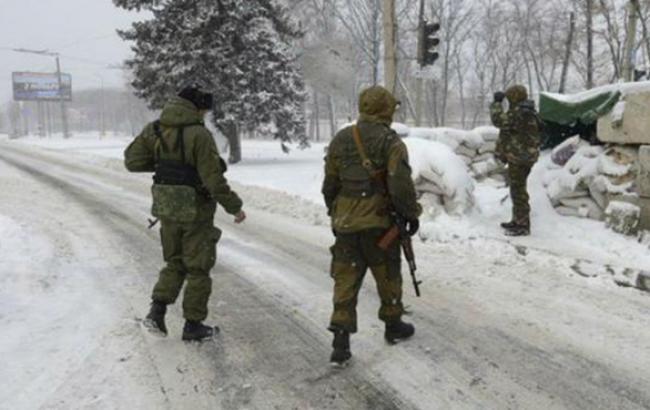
155,320
508,225
341,345
197,331
518,230
397,331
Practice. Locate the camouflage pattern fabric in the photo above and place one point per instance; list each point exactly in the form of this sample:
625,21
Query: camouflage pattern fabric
174,202
189,251
353,254
518,176
519,139
200,152
353,199
359,206
189,243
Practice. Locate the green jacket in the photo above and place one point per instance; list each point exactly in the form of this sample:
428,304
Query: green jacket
200,152
355,202
519,139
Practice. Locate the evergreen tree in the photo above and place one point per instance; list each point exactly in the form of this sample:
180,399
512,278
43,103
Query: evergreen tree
241,50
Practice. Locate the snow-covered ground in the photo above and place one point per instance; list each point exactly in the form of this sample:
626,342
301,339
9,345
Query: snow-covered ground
501,324
300,174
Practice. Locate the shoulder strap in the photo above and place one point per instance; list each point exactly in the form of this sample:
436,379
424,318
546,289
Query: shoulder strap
365,161
160,143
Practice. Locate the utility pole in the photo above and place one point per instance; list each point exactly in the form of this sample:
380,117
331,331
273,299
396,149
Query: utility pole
390,45
64,117
419,82
630,41
590,44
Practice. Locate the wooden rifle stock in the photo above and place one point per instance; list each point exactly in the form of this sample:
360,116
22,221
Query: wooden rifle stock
388,238
397,232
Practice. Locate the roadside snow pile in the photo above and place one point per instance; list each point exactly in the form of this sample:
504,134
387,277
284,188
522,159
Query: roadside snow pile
441,178
581,180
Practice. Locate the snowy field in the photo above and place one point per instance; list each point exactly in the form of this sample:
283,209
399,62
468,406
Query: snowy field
530,323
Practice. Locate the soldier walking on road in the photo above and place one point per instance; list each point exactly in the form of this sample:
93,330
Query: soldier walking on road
518,147
189,182
358,205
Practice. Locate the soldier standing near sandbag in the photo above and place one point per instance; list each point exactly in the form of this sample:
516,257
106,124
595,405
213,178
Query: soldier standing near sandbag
518,147
189,182
366,173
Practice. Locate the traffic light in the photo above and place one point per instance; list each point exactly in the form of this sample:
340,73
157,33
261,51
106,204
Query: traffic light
427,54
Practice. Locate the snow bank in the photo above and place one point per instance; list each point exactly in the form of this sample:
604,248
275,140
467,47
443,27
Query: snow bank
441,177
624,88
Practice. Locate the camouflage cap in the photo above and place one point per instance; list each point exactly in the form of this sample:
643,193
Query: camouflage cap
516,94
377,104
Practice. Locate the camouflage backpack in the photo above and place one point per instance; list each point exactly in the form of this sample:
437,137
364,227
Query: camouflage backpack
176,183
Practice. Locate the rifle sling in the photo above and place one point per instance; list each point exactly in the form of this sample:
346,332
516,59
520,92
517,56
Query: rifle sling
377,176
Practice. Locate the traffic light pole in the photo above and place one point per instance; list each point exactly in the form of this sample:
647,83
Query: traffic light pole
419,86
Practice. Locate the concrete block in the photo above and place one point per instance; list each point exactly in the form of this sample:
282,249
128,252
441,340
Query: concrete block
643,178
623,217
635,125
642,203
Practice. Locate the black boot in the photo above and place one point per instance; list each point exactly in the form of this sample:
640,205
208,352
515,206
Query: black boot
508,225
396,331
518,230
197,331
155,320
341,345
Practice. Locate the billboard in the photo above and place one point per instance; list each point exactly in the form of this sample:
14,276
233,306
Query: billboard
41,86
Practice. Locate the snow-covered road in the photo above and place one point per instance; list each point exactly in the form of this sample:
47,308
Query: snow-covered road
498,326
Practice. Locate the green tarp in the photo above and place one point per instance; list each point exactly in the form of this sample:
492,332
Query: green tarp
567,112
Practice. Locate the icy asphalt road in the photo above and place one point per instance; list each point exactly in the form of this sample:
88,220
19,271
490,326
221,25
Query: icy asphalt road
496,329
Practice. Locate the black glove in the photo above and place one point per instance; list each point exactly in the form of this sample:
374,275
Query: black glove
412,226
499,96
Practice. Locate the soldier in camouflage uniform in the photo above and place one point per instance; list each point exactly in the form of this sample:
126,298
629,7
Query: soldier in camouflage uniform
358,205
186,209
518,147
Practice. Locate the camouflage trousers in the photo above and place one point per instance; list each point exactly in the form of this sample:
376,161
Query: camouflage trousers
352,255
518,177
189,250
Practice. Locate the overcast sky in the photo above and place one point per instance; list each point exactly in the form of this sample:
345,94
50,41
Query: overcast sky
83,31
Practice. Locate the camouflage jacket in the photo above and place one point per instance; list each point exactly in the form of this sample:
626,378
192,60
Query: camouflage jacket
519,139
200,152
354,200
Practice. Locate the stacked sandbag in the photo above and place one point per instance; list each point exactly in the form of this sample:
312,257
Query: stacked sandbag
441,178
475,148
485,165
581,180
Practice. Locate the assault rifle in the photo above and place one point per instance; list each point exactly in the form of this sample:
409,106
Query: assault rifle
399,232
